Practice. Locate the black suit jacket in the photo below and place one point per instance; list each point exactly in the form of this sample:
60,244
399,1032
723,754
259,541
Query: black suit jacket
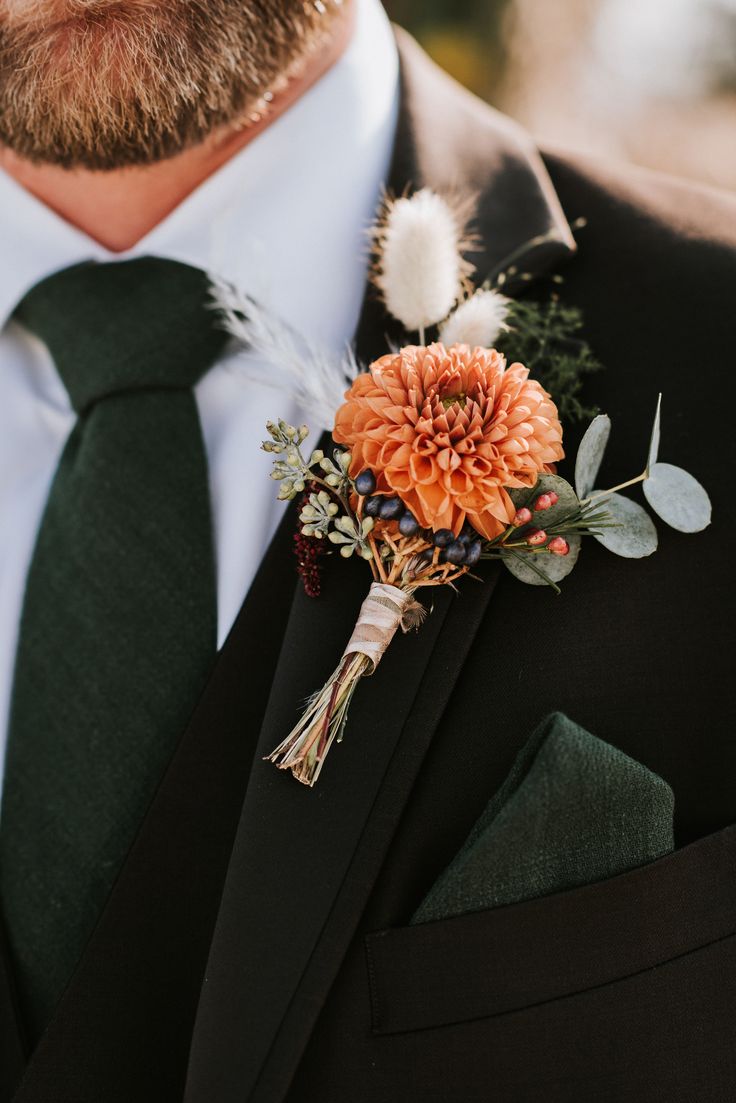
256,946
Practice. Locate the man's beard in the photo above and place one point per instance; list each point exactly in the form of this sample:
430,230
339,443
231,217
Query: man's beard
102,84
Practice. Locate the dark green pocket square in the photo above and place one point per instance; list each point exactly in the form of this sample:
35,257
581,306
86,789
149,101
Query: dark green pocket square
573,810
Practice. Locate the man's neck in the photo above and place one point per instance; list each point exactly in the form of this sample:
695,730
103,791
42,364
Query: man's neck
120,207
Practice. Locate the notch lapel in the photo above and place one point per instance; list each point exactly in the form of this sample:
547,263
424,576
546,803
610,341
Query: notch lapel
304,861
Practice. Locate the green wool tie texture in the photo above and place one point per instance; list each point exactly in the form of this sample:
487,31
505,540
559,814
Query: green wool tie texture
119,622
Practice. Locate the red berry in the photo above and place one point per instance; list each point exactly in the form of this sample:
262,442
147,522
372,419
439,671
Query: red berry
536,537
523,517
558,546
546,501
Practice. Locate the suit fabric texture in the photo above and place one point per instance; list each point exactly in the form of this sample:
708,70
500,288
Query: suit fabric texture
257,944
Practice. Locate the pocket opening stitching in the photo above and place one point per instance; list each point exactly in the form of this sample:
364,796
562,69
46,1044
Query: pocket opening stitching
379,1032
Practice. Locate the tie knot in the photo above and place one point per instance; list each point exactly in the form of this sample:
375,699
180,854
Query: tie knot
125,326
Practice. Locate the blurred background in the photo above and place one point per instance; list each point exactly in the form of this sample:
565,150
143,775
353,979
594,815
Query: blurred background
652,81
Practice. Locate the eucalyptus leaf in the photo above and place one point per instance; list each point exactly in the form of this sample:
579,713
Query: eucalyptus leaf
633,534
654,439
677,498
555,567
568,500
590,454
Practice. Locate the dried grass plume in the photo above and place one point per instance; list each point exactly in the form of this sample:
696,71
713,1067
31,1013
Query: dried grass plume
478,321
313,375
420,268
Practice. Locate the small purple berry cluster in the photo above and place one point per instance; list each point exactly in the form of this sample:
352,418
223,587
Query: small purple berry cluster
461,551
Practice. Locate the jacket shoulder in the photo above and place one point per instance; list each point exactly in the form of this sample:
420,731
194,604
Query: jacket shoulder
656,210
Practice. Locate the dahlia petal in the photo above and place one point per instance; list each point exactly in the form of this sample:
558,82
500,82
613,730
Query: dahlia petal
517,416
513,446
422,468
464,447
397,414
435,500
456,482
477,466
448,459
399,479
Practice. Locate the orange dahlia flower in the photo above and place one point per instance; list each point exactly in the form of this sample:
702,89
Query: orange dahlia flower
448,430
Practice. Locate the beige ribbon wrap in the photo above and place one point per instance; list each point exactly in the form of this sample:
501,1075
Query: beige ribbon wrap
384,611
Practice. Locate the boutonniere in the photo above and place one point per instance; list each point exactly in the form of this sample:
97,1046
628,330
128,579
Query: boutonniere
445,453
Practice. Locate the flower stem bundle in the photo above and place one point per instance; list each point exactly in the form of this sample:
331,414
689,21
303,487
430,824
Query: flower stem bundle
384,611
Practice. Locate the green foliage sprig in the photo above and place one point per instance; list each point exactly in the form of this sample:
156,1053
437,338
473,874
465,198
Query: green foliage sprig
546,337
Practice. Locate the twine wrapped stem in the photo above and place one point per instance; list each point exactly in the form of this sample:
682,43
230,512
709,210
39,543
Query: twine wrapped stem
384,611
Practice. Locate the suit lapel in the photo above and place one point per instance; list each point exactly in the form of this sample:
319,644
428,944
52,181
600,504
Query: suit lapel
448,140
304,860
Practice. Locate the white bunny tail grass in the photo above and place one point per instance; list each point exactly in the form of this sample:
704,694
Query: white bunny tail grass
420,268
478,321
313,375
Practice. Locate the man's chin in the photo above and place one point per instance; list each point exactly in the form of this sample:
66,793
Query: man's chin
86,91
91,148
106,84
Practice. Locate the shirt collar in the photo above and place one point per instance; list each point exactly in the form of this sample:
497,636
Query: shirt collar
285,218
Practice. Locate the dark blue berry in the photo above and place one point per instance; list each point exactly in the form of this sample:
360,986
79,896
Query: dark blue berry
372,506
473,553
443,538
408,525
427,555
365,483
391,509
455,554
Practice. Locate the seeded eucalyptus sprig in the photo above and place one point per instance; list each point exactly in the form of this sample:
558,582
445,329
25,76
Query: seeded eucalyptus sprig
352,536
327,512
318,514
294,472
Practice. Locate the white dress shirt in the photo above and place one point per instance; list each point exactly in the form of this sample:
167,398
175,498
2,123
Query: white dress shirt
285,219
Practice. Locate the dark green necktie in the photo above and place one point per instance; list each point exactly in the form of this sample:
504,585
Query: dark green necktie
118,630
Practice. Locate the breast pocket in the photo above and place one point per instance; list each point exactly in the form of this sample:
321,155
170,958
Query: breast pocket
495,962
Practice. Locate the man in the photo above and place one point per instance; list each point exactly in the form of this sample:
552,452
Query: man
184,922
